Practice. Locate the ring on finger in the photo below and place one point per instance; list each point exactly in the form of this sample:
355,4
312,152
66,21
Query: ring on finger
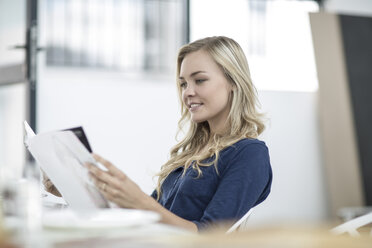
103,186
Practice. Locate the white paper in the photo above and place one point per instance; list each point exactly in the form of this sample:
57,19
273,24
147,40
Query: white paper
29,132
61,156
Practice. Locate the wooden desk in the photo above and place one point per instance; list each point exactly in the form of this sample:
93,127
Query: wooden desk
159,235
274,237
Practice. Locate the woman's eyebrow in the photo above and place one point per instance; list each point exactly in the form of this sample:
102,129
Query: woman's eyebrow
193,74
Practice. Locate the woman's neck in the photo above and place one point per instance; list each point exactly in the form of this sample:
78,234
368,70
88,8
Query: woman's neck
219,130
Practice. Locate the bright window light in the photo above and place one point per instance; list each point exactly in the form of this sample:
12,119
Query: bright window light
275,36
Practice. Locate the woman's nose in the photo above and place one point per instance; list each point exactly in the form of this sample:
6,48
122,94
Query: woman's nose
189,91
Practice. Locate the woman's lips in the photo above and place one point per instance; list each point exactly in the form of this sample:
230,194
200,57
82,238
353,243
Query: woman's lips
195,106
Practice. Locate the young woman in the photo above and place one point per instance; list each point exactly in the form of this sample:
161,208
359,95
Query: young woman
220,169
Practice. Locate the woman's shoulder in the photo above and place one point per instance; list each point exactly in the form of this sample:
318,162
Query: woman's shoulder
244,144
245,152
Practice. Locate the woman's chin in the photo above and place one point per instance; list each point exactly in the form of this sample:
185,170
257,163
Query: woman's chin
197,120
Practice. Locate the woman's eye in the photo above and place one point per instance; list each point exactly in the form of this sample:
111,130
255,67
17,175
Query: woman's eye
183,85
199,81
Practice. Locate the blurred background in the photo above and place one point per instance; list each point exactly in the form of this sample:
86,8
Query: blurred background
109,66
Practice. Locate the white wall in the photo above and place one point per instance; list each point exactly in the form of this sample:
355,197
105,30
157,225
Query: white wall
298,189
130,122
133,123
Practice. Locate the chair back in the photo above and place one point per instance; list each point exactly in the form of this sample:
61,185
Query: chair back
241,223
351,226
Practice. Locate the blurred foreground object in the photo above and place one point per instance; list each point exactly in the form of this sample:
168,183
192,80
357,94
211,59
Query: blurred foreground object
288,237
4,235
296,236
21,211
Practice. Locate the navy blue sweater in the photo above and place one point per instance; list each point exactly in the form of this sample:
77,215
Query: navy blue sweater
242,182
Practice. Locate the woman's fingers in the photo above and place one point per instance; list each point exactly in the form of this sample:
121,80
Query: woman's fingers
115,185
108,190
99,176
110,167
49,186
97,172
111,194
96,181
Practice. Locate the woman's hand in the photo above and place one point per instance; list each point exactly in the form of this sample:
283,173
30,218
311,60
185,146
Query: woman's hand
116,186
120,189
49,186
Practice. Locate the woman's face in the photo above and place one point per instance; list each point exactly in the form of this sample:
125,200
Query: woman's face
205,90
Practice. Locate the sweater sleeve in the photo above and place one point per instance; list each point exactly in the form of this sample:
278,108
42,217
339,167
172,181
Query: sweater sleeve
154,194
245,182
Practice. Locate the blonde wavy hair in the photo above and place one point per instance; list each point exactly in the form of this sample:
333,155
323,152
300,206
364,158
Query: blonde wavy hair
244,120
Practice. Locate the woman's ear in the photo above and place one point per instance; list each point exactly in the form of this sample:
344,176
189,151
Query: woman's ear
233,87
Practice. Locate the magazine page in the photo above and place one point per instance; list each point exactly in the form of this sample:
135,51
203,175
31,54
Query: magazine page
62,156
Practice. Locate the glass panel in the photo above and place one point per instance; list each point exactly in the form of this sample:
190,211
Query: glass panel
126,35
12,96
12,32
